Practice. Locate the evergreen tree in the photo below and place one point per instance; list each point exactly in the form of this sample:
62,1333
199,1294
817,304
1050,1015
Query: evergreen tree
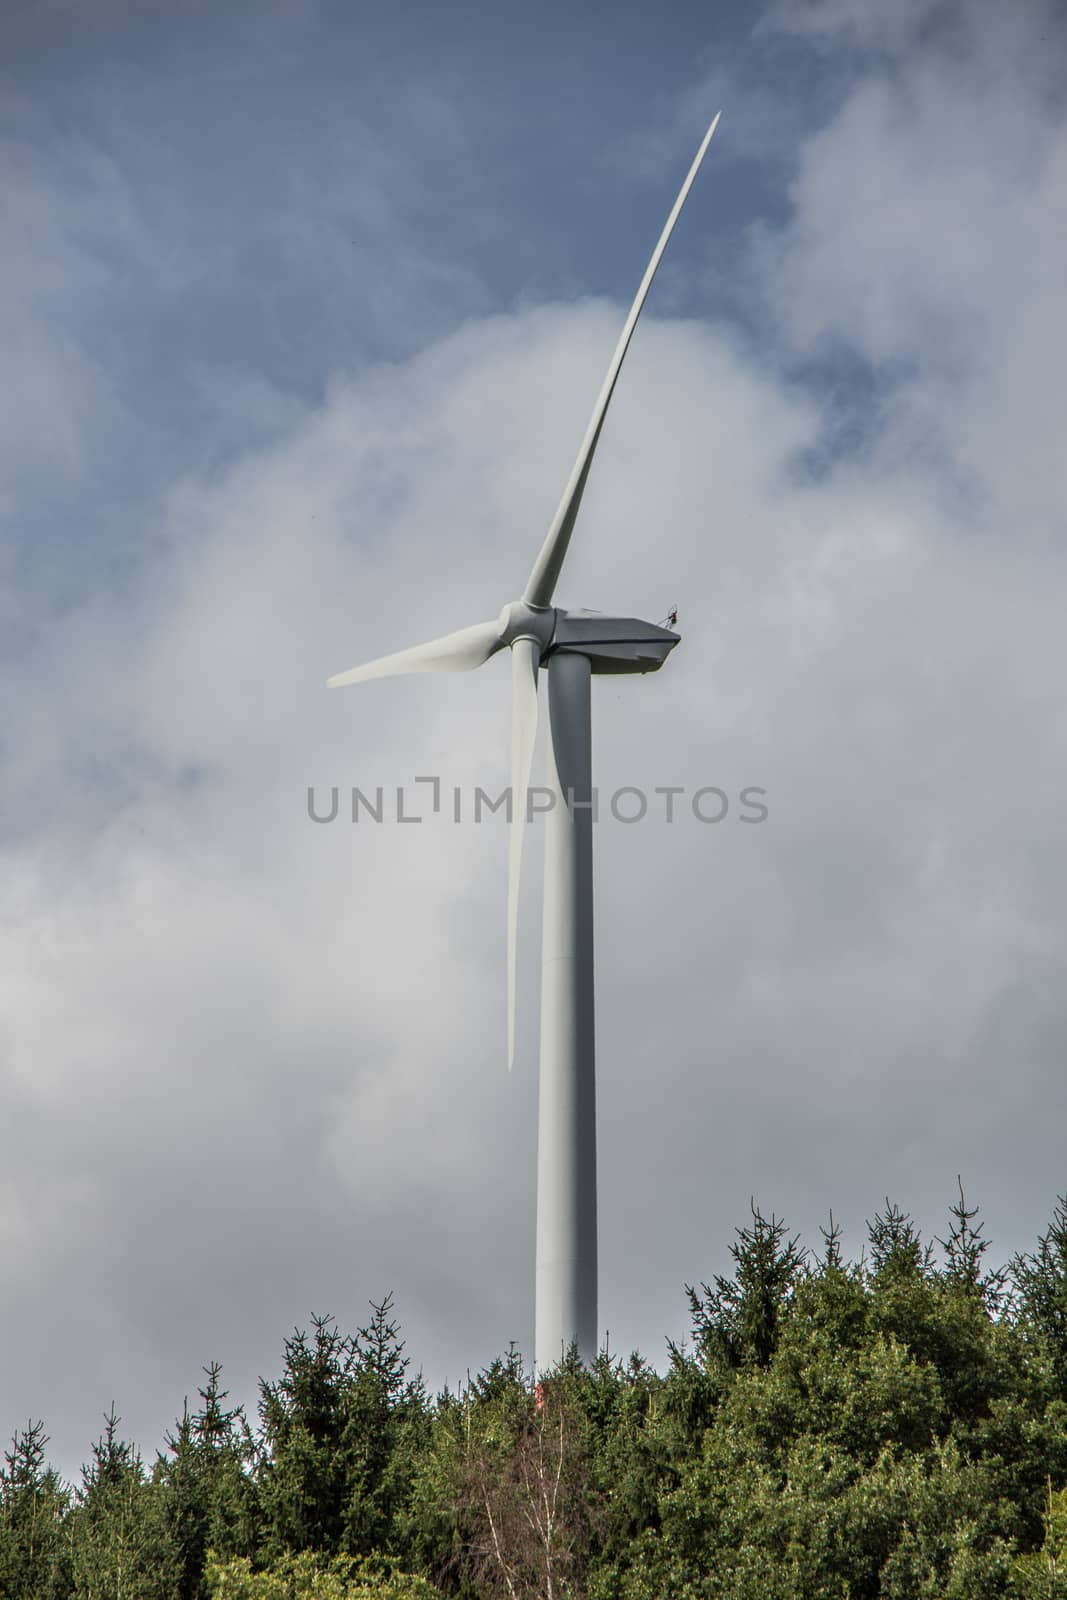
832,1260
885,1430
341,1429
737,1320
964,1252
207,1491
897,1252
905,1303
879,1451
633,1447
32,1506
386,1425
1041,1291
303,1419
1042,1574
686,1405
118,1548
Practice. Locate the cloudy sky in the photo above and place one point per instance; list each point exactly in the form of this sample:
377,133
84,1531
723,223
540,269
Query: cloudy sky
303,306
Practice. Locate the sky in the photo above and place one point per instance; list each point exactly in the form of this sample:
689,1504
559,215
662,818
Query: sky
303,309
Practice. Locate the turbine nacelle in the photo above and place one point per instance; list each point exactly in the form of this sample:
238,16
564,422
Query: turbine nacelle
612,644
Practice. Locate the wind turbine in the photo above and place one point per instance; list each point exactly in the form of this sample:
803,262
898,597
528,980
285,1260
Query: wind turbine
571,646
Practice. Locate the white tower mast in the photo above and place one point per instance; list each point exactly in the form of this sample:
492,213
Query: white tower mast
566,1283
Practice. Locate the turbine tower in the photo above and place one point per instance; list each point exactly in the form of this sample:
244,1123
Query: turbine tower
571,646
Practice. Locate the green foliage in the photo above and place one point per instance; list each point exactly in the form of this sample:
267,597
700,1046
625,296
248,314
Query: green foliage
897,1252
964,1252
514,1466
736,1321
32,1507
302,1419
885,1442
341,1432
892,1429
631,1442
308,1577
825,1477
472,1435
118,1548
1041,1292
1042,1574
387,1424
207,1490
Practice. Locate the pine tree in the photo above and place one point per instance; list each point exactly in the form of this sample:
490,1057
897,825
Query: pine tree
304,1416
386,1423
832,1260
119,1548
896,1248
207,1492
964,1251
32,1506
1041,1290
1042,1574
737,1320
341,1432
887,1430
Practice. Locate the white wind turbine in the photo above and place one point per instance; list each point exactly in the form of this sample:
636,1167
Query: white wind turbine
571,645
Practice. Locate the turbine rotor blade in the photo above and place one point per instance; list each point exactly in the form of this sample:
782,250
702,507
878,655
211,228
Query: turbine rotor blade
456,652
546,570
525,659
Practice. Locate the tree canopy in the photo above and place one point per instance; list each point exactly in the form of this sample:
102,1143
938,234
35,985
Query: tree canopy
894,1427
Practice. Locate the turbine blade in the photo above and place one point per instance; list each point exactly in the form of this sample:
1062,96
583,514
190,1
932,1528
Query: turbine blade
545,574
525,659
456,652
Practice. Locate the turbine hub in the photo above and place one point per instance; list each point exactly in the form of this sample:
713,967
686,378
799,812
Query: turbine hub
521,621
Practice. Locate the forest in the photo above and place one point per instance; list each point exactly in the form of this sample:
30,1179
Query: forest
889,1427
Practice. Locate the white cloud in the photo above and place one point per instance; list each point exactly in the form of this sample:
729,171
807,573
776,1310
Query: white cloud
254,1066
884,27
